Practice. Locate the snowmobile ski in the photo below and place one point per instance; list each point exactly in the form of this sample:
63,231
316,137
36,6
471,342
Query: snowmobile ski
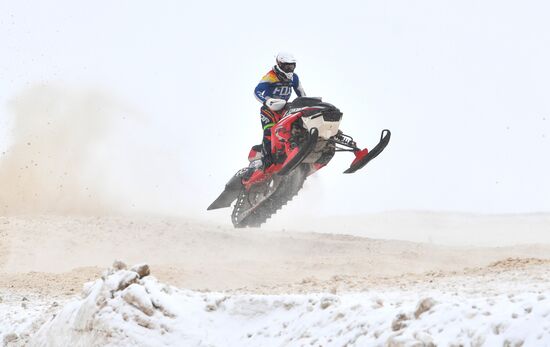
363,157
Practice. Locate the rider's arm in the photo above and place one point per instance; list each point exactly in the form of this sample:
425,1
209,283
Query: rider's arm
297,85
259,92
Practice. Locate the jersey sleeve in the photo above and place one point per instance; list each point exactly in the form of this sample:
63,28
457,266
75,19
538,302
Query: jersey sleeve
259,91
297,85
261,88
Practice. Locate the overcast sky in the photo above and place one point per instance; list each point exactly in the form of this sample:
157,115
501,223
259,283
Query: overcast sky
463,85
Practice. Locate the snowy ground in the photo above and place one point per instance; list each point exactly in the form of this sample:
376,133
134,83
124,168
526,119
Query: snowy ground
505,304
212,286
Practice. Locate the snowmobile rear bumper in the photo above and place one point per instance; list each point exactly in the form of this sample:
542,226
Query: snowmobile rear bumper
230,193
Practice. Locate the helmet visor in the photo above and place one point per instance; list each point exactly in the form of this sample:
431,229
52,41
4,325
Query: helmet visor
287,67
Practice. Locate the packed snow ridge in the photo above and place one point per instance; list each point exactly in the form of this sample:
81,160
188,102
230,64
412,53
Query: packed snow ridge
127,307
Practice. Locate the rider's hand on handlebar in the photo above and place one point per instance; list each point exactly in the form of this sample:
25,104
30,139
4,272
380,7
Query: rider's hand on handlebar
275,104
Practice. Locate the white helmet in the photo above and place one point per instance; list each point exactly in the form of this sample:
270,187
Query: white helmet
286,63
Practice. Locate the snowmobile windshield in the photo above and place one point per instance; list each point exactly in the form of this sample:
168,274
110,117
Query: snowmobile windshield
306,101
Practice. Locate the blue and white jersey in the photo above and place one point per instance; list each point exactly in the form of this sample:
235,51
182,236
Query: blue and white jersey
272,87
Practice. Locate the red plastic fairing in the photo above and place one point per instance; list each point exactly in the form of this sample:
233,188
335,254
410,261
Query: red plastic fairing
261,175
281,132
253,155
257,176
359,155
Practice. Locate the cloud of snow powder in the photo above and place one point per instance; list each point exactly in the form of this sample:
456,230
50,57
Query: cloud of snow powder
80,151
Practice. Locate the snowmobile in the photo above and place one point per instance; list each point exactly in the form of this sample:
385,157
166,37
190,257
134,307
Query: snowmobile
303,141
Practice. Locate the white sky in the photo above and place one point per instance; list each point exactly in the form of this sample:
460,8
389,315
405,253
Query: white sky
463,85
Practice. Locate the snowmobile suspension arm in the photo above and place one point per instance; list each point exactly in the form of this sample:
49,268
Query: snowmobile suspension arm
346,141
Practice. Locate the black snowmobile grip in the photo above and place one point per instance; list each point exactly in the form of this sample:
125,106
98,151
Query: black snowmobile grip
384,140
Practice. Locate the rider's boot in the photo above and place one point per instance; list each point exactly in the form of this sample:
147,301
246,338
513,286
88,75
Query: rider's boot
267,158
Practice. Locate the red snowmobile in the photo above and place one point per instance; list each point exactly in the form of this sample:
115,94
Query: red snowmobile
302,142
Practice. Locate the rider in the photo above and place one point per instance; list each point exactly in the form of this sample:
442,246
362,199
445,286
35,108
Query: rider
273,92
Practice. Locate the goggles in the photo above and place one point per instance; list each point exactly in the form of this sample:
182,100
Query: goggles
287,67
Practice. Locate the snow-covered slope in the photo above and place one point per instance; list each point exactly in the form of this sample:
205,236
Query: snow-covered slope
216,286
442,228
506,304
59,253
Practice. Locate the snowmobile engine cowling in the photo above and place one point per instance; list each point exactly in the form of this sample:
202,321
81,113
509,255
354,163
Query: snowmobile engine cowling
326,129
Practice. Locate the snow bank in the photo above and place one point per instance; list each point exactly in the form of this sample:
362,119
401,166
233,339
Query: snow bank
22,314
128,307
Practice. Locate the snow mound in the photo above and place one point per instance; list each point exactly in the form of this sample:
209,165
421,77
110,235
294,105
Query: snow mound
127,307
122,306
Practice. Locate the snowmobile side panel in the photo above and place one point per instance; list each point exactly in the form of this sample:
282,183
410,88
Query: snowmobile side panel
230,193
302,154
364,156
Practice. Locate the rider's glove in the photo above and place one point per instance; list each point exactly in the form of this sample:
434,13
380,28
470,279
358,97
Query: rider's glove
275,104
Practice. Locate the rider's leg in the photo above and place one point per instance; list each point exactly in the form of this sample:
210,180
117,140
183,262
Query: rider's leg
269,119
